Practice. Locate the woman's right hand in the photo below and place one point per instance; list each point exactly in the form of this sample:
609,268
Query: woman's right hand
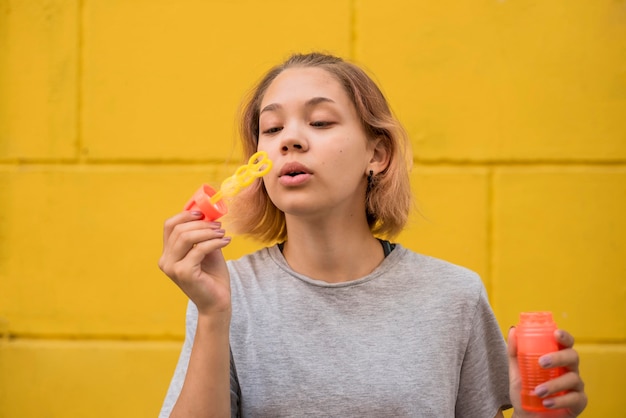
193,259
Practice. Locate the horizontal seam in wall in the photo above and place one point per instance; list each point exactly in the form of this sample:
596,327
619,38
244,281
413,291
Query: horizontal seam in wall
88,338
205,163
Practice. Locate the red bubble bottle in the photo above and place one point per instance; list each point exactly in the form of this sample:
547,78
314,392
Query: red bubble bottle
535,337
201,201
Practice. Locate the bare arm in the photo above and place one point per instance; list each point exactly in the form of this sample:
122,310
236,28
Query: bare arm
192,258
206,391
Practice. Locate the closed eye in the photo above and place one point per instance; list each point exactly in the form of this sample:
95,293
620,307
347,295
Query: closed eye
322,124
272,130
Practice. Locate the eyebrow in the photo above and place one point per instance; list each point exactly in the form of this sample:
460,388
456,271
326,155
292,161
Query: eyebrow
272,107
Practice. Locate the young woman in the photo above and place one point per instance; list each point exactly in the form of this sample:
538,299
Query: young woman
334,320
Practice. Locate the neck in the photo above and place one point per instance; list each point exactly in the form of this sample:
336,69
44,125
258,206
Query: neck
332,252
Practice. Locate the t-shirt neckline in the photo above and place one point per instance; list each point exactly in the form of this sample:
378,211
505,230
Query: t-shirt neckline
277,256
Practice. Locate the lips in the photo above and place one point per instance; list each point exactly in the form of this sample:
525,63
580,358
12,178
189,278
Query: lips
293,169
294,174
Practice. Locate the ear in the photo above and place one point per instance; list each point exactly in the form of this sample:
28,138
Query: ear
380,156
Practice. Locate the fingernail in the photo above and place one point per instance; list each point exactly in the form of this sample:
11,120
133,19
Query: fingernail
545,362
548,403
196,213
541,391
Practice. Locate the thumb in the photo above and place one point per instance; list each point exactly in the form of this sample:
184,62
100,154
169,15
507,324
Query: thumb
515,382
512,345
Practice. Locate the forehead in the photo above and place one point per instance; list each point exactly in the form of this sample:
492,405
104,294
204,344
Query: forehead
303,83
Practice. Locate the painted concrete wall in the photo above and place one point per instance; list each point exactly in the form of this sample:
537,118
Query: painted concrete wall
113,111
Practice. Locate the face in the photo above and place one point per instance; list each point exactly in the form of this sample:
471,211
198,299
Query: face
310,129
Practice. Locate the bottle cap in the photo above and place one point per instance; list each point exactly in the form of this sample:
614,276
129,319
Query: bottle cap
201,200
536,318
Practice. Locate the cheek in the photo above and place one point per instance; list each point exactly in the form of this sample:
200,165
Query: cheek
261,146
350,153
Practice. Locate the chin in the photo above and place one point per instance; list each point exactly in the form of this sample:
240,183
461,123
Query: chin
298,207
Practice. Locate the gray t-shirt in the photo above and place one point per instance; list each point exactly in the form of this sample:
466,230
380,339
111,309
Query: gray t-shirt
415,338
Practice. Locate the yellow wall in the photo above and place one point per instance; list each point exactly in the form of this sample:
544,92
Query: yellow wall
113,111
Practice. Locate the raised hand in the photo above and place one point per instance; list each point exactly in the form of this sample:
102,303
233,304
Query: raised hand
192,258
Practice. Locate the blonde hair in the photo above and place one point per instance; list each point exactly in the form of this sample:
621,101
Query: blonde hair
388,196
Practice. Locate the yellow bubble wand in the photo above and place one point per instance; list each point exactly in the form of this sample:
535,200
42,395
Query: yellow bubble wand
210,202
258,165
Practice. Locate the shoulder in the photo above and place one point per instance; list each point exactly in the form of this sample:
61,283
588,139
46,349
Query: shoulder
442,273
256,261
256,270
441,286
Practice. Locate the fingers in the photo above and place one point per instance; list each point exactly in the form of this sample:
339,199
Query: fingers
209,241
569,387
570,390
178,219
570,381
575,402
188,235
200,262
188,238
564,338
566,357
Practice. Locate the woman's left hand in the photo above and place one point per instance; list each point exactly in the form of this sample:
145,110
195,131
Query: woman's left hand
568,405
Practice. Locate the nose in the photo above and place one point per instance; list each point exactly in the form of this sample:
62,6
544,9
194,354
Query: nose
292,145
293,140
